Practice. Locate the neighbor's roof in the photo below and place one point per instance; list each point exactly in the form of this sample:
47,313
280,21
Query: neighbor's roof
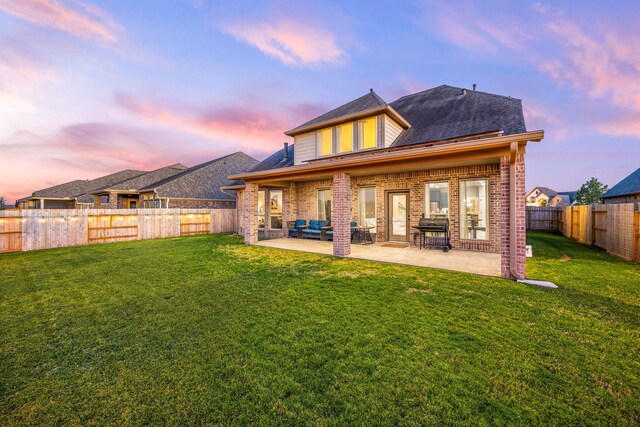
629,185
145,179
568,196
545,190
447,112
68,189
105,181
203,181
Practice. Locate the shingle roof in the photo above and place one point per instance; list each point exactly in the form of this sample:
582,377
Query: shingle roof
629,185
145,179
447,112
68,189
275,161
568,196
365,102
105,181
545,190
203,181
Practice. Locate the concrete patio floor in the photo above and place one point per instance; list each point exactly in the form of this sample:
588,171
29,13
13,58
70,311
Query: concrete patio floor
486,264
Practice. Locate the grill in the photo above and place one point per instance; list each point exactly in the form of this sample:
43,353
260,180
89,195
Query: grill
433,233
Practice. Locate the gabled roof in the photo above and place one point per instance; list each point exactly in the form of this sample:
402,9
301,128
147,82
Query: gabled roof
203,181
105,181
568,196
544,190
447,112
276,161
143,180
365,102
629,185
67,190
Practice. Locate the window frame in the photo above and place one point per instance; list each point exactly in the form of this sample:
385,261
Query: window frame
318,204
275,214
361,133
320,142
462,204
375,207
262,215
339,138
427,197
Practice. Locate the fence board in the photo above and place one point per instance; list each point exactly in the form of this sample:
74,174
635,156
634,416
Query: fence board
546,218
26,230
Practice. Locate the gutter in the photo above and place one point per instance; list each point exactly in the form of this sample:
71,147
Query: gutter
406,154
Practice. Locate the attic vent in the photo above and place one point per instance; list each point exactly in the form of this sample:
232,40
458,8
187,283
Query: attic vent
464,91
474,86
286,151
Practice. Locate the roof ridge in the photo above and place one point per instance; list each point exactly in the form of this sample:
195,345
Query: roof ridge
377,97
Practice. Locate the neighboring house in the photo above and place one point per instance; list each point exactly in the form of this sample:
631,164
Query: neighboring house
626,191
563,198
544,196
74,194
126,194
198,186
445,152
540,196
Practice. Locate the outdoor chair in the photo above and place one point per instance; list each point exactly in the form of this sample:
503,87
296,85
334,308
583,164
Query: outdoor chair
295,227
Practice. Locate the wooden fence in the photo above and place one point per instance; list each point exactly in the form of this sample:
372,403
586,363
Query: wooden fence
615,228
27,230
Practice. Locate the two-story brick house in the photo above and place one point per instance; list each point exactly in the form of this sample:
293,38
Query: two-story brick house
445,152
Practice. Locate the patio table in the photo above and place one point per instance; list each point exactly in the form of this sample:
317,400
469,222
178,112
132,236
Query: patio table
323,232
362,235
300,228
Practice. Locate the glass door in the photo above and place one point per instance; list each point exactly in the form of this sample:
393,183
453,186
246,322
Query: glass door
398,216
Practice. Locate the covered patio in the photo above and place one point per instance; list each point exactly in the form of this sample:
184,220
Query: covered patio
483,263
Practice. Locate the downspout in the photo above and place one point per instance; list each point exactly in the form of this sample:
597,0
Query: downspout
513,157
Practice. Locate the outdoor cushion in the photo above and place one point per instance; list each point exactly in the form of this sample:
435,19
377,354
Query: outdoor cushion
310,231
314,224
324,223
301,222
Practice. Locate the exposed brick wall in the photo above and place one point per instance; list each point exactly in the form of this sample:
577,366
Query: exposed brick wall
415,183
251,213
341,214
505,238
521,220
240,214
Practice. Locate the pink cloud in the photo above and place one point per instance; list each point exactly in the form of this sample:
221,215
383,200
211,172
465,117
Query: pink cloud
245,126
32,161
289,41
84,21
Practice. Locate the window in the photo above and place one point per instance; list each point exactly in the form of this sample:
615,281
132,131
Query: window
275,209
345,138
367,131
474,209
436,200
325,141
367,207
261,209
324,205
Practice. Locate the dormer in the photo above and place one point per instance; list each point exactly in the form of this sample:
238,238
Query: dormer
366,123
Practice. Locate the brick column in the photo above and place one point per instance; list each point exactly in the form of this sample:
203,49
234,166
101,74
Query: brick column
97,200
518,255
503,188
341,214
521,222
250,213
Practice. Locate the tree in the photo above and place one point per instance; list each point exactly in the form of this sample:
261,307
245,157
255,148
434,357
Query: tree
591,192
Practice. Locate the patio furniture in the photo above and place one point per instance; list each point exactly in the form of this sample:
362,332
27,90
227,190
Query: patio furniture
326,233
362,234
314,231
295,227
434,233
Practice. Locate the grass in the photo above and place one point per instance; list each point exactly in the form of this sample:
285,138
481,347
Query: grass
204,330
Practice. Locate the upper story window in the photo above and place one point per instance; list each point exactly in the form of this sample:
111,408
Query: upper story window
345,137
367,133
325,142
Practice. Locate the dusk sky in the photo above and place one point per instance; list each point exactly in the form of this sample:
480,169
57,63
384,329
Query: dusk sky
91,87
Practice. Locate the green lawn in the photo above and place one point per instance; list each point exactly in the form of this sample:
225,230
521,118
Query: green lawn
204,330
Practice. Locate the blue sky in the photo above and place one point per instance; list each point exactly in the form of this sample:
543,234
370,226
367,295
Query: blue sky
91,87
